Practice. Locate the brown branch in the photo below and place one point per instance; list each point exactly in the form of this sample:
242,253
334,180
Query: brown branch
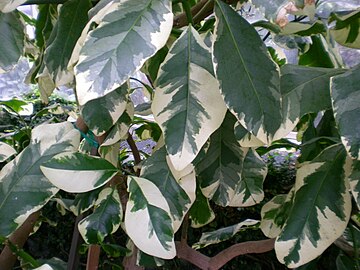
200,11
193,256
134,149
93,257
18,238
230,253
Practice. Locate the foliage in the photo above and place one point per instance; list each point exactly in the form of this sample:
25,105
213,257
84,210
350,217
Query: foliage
217,99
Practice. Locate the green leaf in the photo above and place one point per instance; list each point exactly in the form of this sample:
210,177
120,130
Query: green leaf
345,93
6,151
104,220
177,188
249,79
23,188
109,109
223,234
114,250
346,31
321,209
12,39
151,67
305,90
125,38
76,172
184,98
148,219
200,212
72,19
16,105
344,262
274,214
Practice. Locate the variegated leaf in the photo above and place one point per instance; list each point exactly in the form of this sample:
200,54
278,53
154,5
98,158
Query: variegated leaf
245,138
76,172
148,219
12,38
6,151
184,98
345,94
200,212
320,211
270,8
354,180
72,19
139,28
23,188
104,220
249,80
220,169
274,214
223,234
109,108
304,90
10,5
179,192
120,129
84,201
346,31
250,189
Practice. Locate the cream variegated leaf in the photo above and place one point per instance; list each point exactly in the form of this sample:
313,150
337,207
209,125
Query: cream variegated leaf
346,29
77,172
200,212
178,189
321,209
104,220
304,90
10,5
186,91
109,108
345,93
148,220
23,188
249,79
223,234
250,189
139,28
354,180
6,151
274,214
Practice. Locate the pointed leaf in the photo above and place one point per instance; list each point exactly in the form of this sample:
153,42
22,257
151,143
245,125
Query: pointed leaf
104,220
345,94
109,109
249,79
250,189
10,5
321,209
179,192
6,151
184,98
223,234
220,170
346,31
71,21
274,214
200,212
12,38
304,90
125,38
84,201
354,180
148,219
23,188
76,172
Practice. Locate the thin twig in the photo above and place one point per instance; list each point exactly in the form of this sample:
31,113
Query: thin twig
134,149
